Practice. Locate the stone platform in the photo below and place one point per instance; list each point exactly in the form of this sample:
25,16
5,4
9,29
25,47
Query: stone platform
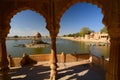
66,71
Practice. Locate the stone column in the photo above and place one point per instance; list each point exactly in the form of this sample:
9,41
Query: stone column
53,27
113,72
4,69
112,22
53,60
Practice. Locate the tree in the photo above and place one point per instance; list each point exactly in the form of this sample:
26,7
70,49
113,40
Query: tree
104,30
16,36
70,35
84,30
77,34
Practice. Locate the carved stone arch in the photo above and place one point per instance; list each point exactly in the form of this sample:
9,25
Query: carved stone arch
72,2
14,11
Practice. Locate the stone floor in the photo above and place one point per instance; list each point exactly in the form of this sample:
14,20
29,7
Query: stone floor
66,71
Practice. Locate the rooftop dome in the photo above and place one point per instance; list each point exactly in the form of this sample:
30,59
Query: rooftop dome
37,34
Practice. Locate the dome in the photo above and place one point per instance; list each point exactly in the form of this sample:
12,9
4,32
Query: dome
37,34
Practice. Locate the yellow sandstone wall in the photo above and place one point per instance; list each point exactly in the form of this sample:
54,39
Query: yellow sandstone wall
62,58
99,62
46,57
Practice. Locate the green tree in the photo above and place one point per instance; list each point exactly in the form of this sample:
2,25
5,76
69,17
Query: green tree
84,30
64,35
70,35
104,30
76,34
16,36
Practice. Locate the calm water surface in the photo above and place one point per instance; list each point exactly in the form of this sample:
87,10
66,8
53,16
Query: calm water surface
66,46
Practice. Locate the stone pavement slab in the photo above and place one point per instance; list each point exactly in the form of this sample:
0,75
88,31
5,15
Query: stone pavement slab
66,71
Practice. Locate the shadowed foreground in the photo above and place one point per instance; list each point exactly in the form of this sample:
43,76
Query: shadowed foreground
66,71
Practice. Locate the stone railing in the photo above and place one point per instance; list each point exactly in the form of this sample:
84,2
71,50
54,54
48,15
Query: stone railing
72,57
100,62
62,58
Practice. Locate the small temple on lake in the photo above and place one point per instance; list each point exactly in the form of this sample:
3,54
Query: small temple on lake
37,41
37,38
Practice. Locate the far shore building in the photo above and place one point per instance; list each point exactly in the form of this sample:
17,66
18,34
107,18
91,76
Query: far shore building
98,36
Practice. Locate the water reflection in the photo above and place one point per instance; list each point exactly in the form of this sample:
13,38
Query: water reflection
66,46
100,51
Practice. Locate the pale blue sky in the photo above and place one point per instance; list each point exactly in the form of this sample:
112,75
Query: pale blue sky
80,15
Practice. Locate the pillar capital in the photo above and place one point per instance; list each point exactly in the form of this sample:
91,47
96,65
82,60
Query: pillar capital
53,29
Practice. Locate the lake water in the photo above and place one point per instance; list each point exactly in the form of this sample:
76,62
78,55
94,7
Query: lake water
66,46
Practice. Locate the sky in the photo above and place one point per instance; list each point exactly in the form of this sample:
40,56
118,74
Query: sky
27,22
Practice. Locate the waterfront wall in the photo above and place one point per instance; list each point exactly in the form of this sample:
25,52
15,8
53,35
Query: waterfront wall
30,59
99,62
61,57
95,62
72,57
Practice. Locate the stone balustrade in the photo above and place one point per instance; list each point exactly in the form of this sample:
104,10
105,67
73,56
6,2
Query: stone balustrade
62,58
99,62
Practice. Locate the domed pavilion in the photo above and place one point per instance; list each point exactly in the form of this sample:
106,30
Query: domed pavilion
37,38
37,42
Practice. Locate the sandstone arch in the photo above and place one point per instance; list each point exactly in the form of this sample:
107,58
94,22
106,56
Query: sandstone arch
52,11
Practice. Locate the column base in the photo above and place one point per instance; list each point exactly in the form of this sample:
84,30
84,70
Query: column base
53,75
53,72
53,78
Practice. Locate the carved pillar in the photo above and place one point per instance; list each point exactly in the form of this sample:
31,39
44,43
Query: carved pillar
4,69
53,27
113,72
112,21
53,60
